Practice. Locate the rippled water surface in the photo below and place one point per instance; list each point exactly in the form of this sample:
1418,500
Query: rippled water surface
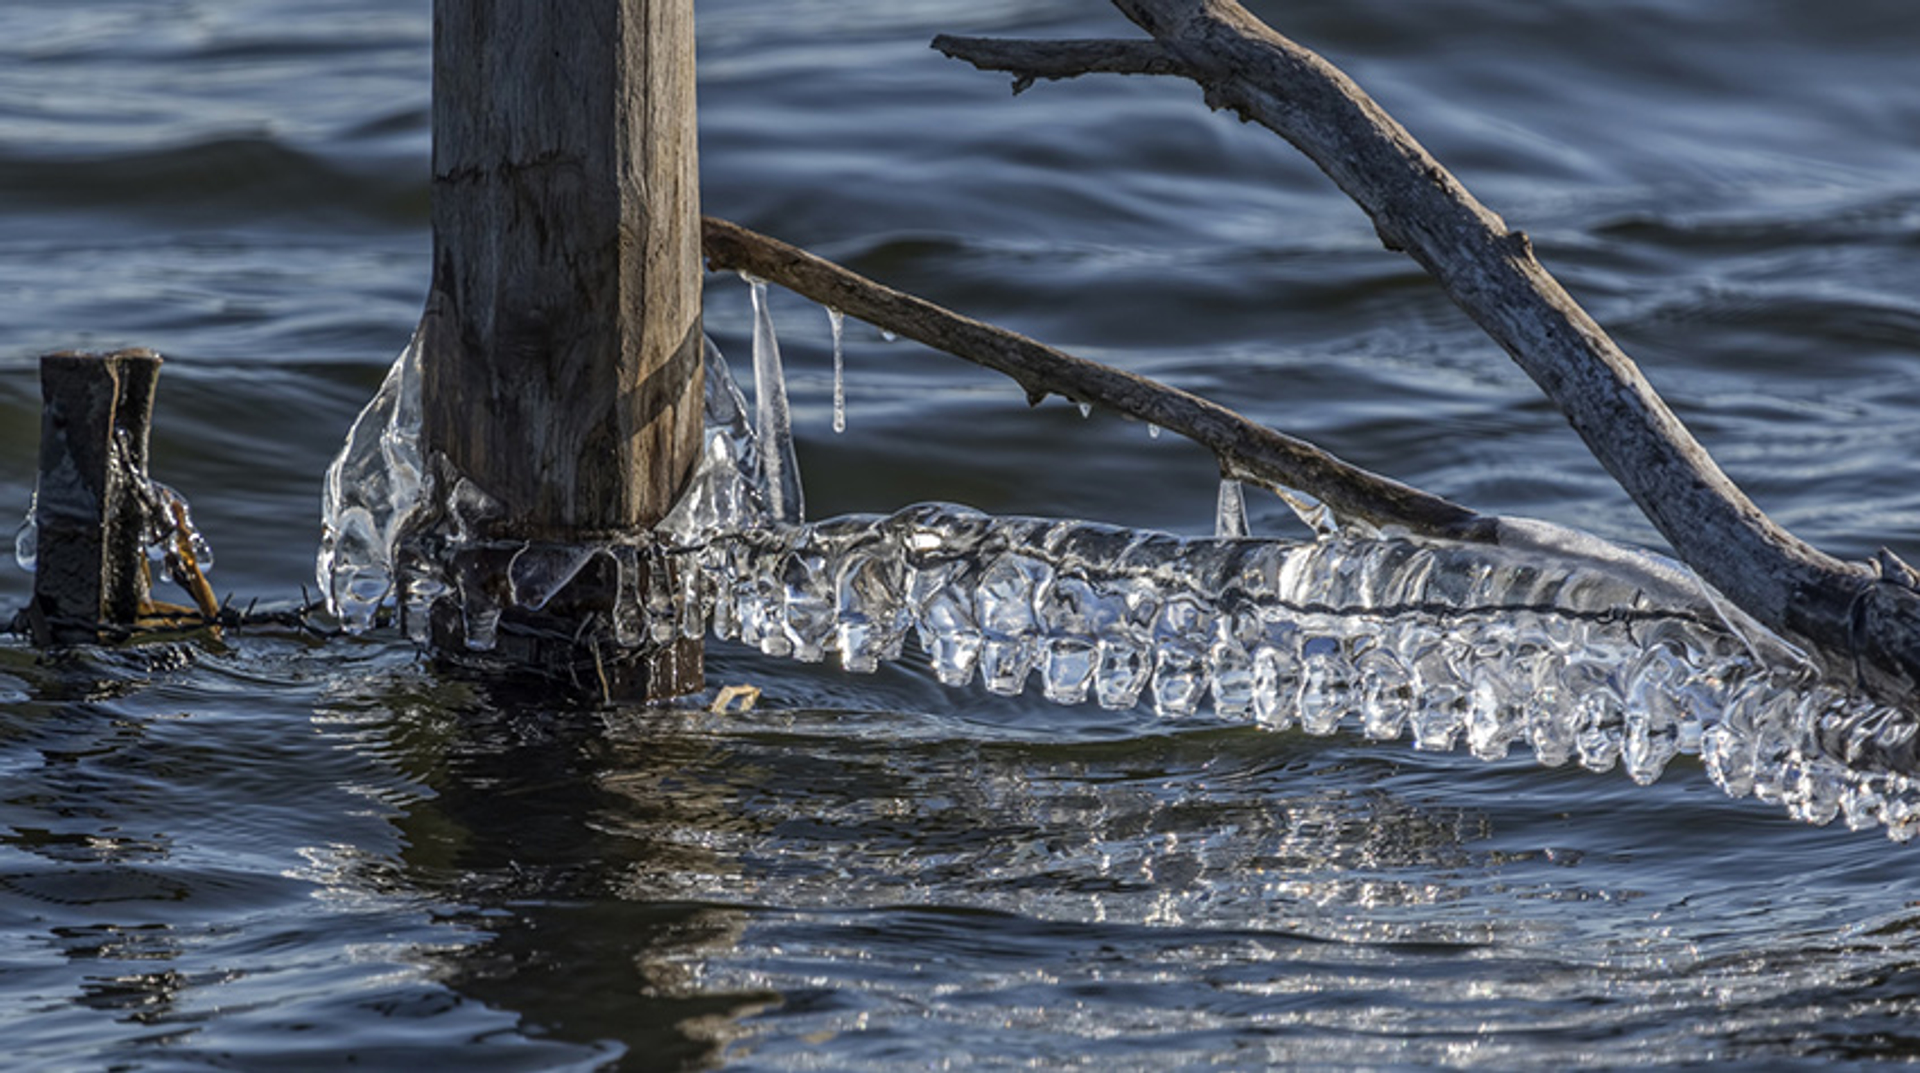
284,852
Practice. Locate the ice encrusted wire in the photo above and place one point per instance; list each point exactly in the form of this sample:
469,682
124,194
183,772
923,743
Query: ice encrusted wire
1575,649
169,523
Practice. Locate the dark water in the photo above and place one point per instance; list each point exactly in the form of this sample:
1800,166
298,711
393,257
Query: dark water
275,853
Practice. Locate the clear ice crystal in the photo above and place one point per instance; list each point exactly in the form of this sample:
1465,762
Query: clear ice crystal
26,542
374,488
537,572
1230,517
169,523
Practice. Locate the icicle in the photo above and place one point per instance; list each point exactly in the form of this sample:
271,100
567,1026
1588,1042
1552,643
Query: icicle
837,321
172,522
1153,431
774,423
1317,516
1230,518
26,543
1086,409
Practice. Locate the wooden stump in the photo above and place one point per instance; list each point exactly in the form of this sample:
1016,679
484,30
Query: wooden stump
561,345
90,576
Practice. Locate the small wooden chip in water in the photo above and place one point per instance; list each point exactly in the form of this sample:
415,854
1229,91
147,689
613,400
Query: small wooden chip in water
745,695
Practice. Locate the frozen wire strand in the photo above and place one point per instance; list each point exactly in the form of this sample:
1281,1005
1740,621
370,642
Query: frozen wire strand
785,538
1799,792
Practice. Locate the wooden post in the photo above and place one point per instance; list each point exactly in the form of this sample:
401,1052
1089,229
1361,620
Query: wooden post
561,346
90,574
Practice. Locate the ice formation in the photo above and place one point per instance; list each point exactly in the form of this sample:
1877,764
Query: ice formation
169,518
374,487
1554,641
1230,516
26,542
837,322
773,422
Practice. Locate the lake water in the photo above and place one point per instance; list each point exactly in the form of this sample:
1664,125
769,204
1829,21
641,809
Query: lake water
292,853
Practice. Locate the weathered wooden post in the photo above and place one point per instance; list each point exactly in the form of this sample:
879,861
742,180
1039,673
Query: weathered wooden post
90,573
561,346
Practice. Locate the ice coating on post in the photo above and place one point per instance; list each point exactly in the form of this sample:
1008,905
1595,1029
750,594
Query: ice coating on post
169,523
374,486
378,491
724,494
26,542
773,421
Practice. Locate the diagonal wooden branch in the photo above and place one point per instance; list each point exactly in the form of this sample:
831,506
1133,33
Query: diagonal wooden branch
1858,613
1246,450
1029,61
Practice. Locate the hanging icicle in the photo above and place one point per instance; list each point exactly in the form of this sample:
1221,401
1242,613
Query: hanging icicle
1230,517
773,421
838,322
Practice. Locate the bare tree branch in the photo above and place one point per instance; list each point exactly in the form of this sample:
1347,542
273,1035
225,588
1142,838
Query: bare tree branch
1028,61
1246,450
1861,614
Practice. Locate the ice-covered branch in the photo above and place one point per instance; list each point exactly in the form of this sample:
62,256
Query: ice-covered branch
1858,614
1246,450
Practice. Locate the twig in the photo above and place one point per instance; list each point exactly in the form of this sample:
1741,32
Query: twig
1028,61
1246,450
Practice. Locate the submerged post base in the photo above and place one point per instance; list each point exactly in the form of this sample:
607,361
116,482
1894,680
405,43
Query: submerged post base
588,664
572,642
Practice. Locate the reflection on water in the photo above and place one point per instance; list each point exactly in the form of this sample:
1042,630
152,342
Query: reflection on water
514,828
